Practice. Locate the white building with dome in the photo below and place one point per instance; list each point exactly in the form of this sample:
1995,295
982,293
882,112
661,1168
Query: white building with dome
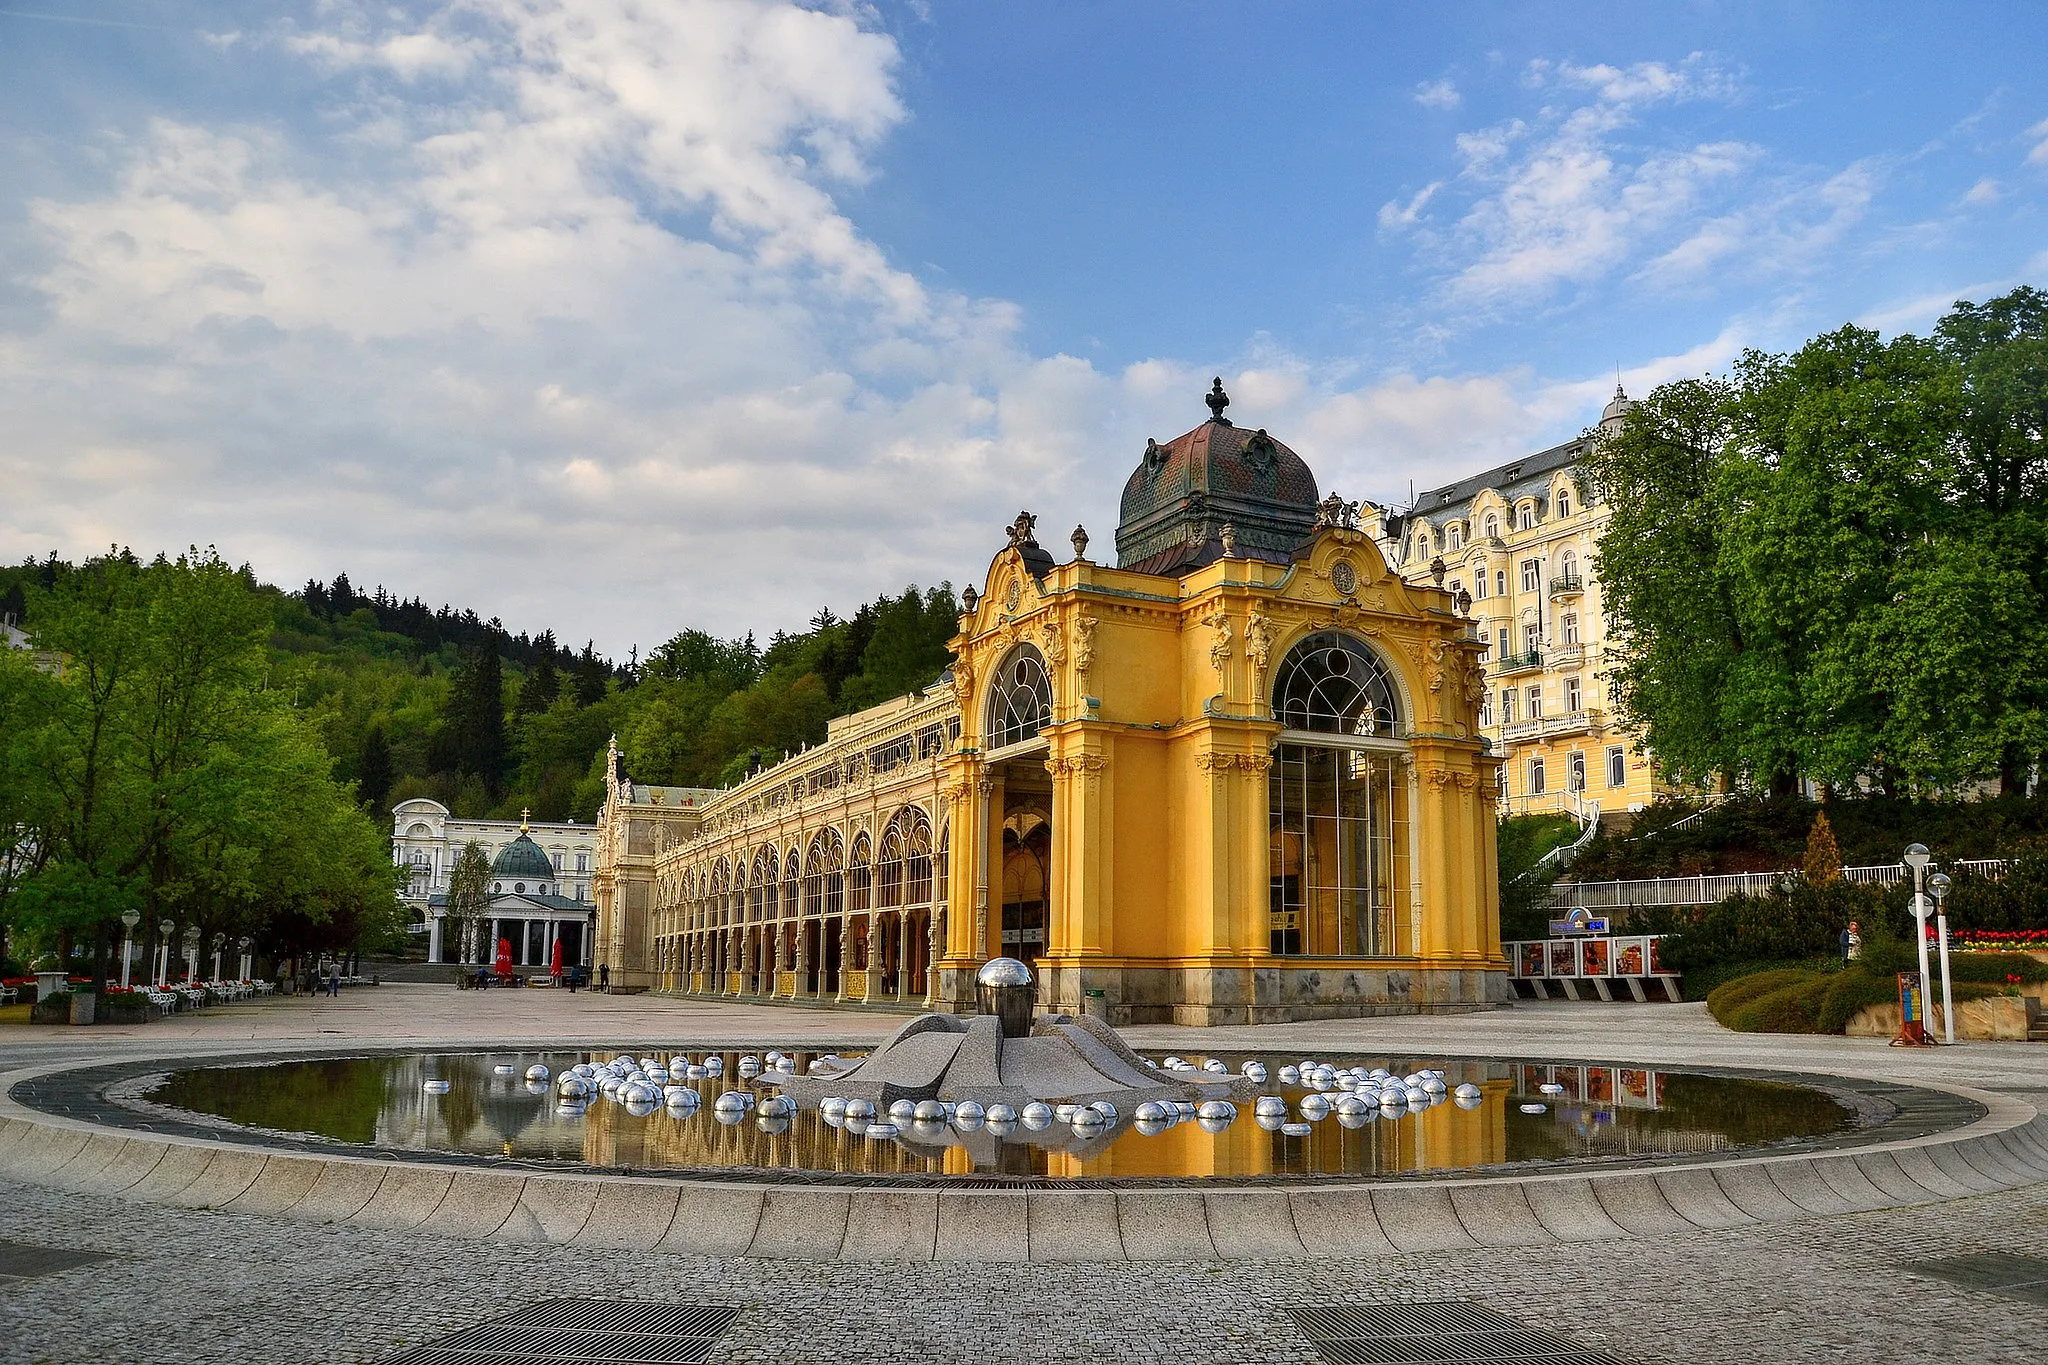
540,885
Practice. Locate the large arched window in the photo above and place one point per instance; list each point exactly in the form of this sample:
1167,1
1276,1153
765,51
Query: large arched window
1339,861
1019,698
824,882
792,877
1334,684
861,882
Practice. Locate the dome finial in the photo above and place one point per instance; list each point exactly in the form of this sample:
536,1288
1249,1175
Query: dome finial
524,813
1218,400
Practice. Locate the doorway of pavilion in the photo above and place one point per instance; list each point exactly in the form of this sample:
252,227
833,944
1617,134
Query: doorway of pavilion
1027,873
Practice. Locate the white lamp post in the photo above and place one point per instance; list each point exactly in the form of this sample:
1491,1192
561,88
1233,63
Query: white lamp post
191,954
220,942
1939,885
163,952
245,944
1917,858
129,919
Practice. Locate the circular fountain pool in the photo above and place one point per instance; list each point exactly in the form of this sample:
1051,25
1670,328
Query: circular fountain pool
1513,1114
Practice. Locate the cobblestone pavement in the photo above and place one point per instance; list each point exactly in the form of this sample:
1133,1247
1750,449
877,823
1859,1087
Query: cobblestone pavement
188,1285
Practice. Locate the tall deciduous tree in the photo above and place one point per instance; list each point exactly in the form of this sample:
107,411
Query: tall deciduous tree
1832,563
469,897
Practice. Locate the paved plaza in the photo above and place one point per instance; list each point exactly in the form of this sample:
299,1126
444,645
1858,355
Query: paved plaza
180,1284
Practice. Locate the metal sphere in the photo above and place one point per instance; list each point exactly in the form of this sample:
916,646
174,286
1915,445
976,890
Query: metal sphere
1296,1129
1290,1075
832,1107
732,1101
1551,1088
1217,1109
504,1069
1001,1113
1351,1106
1254,1071
729,1117
536,1072
967,1111
1272,1123
773,1123
1088,1122
1065,1112
1269,1104
1151,1127
881,1129
640,1106
903,1111
435,1087
1036,1115
1216,1065
1467,1091
1314,1107
1003,971
695,1072
1151,1111
1534,1108
1001,1127
858,1108
925,1111
1357,1120
1417,1097
570,1109
1469,1101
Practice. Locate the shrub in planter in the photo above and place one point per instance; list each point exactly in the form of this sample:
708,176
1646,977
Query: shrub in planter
52,1009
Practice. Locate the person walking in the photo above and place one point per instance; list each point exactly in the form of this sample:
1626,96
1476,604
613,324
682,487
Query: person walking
604,977
334,980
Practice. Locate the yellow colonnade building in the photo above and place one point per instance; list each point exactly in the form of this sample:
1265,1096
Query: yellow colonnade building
1237,778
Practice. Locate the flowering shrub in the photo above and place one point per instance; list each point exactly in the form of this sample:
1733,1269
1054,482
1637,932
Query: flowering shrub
2000,940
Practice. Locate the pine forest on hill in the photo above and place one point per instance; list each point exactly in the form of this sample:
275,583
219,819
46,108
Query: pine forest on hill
411,701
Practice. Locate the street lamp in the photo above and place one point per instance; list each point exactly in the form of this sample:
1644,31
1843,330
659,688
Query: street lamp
1917,858
245,943
220,942
163,952
129,919
1939,884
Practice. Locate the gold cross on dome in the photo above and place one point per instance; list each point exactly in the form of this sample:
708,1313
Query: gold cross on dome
524,812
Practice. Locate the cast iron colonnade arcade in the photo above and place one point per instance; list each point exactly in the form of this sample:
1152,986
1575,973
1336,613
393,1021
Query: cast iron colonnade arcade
821,878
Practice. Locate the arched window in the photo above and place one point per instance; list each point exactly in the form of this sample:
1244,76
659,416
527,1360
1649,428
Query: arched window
792,875
889,867
1339,866
1335,684
761,884
917,849
1492,526
1570,565
861,877
1564,500
1019,698
1454,536
1526,519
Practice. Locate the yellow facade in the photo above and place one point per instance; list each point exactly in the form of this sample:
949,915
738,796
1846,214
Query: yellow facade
1252,788
1522,539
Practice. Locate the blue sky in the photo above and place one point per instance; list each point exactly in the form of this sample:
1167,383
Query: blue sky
616,316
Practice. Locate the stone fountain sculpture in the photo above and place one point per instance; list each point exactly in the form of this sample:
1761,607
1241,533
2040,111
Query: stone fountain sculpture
1005,1055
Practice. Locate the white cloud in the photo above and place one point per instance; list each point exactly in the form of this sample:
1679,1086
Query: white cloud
1985,191
2039,155
1697,77
1397,214
1441,94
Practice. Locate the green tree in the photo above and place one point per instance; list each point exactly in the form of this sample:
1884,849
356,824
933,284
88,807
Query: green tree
373,769
469,898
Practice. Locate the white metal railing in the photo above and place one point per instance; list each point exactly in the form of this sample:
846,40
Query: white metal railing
1712,890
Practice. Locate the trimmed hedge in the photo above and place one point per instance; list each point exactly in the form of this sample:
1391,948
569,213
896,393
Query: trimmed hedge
1849,994
1791,1008
1723,1001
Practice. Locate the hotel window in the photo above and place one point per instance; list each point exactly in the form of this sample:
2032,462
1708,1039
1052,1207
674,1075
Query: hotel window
1571,627
1564,502
1500,582
1507,706
1454,536
1536,702
1575,775
1503,642
583,862
1536,787
1422,546
1479,581
1574,699
1617,768
1571,565
1532,575
1532,638
1526,519
1492,527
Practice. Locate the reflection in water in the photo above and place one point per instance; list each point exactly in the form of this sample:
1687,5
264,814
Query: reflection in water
491,1109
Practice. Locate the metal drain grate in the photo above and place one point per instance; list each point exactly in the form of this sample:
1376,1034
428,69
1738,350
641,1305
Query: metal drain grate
584,1332
1993,1272
25,1261
1434,1334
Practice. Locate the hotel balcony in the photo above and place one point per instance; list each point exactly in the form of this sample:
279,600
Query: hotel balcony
1518,663
1567,654
1551,727
1568,586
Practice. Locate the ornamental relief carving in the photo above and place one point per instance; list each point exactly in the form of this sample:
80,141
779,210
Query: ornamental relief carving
1054,645
1258,640
1219,764
1084,644
1094,765
1441,778
1218,622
